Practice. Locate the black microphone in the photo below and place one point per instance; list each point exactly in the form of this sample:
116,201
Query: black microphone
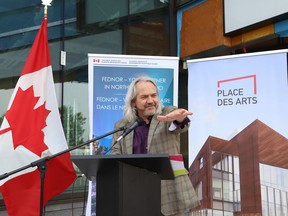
137,122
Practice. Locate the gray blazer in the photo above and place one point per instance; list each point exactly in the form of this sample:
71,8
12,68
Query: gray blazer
177,195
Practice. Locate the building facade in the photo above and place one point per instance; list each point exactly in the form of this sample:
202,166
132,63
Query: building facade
242,176
185,28
79,27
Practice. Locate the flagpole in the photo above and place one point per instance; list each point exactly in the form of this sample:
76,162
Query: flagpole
45,11
42,165
46,3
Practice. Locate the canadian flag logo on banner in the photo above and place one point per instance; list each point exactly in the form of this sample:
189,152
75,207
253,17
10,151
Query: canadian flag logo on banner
30,131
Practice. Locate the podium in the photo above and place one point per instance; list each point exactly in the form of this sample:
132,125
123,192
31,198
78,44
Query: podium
126,185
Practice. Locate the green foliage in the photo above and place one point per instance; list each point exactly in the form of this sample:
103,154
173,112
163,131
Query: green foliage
1,118
73,125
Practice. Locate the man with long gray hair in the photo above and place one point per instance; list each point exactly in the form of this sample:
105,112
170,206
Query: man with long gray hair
159,134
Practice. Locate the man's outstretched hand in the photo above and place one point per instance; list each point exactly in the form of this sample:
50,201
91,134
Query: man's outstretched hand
176,115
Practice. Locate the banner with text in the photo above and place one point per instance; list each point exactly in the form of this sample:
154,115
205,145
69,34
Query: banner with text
226,94
109,78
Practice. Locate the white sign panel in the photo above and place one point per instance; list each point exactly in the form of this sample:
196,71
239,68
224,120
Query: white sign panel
240,14
226,94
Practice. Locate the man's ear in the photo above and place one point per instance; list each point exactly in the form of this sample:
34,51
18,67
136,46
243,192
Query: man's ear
133,104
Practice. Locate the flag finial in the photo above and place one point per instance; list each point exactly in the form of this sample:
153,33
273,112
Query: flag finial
46,3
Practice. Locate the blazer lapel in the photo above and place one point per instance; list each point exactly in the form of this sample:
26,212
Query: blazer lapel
128,143
152,128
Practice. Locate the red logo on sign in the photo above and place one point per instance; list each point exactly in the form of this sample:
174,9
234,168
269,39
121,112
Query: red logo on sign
240,78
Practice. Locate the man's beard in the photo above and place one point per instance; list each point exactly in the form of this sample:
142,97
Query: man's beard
150,112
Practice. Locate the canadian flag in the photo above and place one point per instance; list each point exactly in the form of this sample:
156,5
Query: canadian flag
31,130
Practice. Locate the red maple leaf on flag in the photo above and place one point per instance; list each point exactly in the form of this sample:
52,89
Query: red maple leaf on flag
27,126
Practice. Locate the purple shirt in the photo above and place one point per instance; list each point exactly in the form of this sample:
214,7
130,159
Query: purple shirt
140,138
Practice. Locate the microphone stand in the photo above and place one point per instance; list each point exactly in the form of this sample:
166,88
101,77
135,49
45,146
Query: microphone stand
42,164
137,122
110,147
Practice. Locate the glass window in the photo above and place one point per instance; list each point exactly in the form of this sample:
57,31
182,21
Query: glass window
284,195
273,190
101,11
217,188
143,28
228,191
82,27
201,162
217,160
228,206
264,208
230,164
236,166
225,163
228,213
272,209
271,195
225,186
277,197
264,193
271,201
138,6
200,191
217,174
75,115
145,33
219,206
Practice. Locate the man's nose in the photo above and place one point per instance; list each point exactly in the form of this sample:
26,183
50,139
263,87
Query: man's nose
150,99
